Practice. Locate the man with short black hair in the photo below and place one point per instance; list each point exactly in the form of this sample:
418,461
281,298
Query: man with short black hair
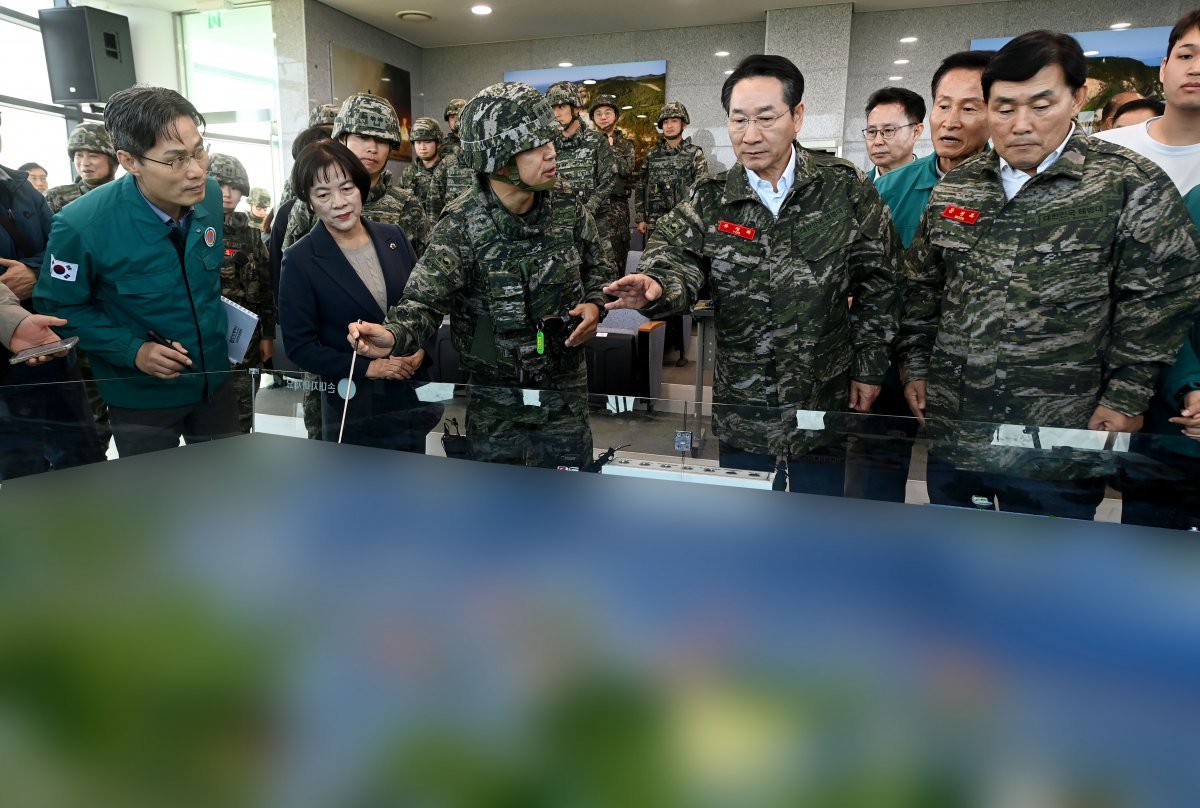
782,238
134,267
1048,285
1108,115
894,123
1137,111
37,176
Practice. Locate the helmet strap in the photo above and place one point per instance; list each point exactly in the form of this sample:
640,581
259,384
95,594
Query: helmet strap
510,175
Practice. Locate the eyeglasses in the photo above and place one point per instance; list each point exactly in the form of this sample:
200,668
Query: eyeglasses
180,164
888,132
740,122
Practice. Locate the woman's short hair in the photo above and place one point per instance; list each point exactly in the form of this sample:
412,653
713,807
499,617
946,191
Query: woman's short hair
322,156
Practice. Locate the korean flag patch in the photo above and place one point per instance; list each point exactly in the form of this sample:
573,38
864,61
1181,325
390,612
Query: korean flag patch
62,270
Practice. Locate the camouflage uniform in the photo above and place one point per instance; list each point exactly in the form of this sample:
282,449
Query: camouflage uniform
618,201
258,197
246,280
497,274
785,338
585,160
452,144
88,136
667,173
453,178
423,181
1033,311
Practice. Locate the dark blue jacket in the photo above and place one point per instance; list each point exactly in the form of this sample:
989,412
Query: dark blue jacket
320,294
26,209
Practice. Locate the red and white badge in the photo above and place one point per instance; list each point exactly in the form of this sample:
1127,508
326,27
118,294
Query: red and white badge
210,236
957,214
740,230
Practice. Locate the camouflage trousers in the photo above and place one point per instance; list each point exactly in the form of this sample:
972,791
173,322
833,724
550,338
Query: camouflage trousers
503,426
618,232
245,387
312,407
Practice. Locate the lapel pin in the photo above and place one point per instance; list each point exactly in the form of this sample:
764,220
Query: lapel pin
391,245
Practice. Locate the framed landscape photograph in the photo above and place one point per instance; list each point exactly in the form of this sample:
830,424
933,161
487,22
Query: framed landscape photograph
353,72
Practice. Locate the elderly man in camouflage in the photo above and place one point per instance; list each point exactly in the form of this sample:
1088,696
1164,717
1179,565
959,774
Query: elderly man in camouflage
426,176
669,170
510,261
585,160
95,159
367,125
1049,283
783,238
605,112
245,278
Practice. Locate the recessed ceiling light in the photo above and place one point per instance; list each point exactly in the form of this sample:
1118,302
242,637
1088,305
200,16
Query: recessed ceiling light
481,10
728,72
721,53
1091,53
895,78
627,106
1120,26
589,81
900,62
908,39
413,16
565,64
641,116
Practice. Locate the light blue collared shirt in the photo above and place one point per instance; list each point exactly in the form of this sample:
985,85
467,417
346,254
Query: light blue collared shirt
770,197
1014,179
182,222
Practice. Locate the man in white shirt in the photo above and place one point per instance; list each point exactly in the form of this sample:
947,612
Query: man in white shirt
1173,140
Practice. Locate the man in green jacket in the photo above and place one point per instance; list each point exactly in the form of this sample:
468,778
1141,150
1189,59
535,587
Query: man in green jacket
134,266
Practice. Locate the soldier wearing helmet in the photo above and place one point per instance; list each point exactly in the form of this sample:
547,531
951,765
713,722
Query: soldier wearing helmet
519,266
669,170
367,125
426,177
605,111
260,203
585,160
245,276
95,159
452,141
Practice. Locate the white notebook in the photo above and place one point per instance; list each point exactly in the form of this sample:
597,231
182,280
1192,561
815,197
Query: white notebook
240,329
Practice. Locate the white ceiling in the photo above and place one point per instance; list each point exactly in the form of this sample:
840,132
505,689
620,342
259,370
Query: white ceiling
510,20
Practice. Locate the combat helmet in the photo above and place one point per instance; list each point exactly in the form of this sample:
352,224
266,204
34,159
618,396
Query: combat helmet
323,115
228,170
455,107
91,136
369,116
673,109
503,120
260,197
564,92
426,129
604,101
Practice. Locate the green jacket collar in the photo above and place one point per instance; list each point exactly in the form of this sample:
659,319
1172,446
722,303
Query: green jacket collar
146,223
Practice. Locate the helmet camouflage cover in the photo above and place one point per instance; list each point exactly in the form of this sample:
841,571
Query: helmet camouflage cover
503,120
673,109
323,115
605,101
369,116
90,136
228,170
564,92
426,129
260,197
455,107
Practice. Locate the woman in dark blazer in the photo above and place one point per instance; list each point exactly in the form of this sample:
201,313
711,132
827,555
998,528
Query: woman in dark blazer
344,270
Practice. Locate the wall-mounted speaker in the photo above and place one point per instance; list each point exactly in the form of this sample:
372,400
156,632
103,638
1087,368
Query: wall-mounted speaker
88,53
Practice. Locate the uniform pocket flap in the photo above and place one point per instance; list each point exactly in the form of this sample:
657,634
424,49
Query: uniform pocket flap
156,284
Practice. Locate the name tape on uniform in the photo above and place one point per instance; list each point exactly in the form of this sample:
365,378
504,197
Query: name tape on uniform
740,230
957,214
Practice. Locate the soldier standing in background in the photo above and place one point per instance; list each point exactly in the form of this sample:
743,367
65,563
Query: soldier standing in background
1049,284
260,203
453,109
783,238
367,125
669,170
510,261
425,176
585,160
95,159
605,112
245,279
